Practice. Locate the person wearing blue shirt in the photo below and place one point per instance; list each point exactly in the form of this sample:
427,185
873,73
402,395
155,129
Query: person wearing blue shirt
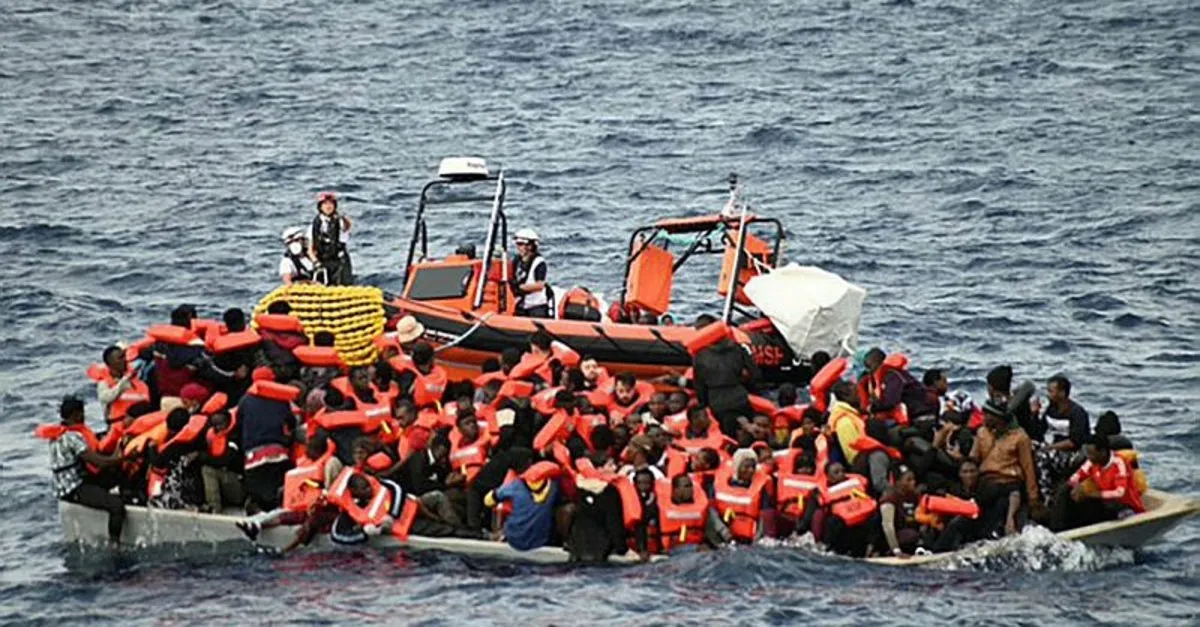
534,498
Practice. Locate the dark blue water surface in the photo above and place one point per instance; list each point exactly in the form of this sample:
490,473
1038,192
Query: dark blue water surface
1013,182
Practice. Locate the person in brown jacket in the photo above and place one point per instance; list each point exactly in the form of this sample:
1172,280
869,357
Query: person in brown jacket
1007,475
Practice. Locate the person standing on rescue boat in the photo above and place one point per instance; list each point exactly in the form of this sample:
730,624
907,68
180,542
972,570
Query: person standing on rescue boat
529,280
723,375
295,266
327,239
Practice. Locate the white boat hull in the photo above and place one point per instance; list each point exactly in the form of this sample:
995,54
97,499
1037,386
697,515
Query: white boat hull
1163,512
151,528
154,528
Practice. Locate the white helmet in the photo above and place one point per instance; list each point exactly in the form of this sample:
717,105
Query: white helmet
527,235
292,233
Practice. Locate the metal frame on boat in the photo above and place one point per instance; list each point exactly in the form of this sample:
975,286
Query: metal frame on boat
467,306
157,528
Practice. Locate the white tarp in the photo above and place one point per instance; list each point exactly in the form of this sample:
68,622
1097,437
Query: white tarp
812,308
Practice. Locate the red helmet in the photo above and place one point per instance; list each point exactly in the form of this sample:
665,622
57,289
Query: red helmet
323,196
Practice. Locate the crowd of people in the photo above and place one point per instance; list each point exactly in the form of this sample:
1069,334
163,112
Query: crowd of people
546,447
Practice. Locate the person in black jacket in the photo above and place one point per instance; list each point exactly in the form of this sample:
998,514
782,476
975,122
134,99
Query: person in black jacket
999,389
598,527
722,374
425,474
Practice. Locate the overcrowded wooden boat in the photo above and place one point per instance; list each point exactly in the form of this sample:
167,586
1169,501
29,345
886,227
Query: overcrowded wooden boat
157,528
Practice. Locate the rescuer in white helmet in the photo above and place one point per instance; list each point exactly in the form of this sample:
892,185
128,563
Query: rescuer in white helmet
529,277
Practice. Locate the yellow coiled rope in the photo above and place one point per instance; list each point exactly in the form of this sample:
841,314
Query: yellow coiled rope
354,314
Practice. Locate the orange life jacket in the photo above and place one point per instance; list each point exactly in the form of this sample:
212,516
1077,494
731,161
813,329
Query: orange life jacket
468,458
785,419
146,422
631,505
304,485
318,356
229,342
52,432
174,335
218,441
484,379
513,389
208,329
899,413
676,423
346,419
137,392
379,410
377,509
821,382
740,507
271,390
134,448
681,523
586,423
849,501
557,429
933,509
606,398
427,389
543,401
185,436
279,323
793,489
677,459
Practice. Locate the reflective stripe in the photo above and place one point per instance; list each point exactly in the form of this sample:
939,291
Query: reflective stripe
789,482
736,499
377,503
467,452
682,515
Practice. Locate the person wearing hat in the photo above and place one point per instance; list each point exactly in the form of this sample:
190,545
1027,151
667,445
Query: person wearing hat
398,342
529,277
1007,476
327,239
295,266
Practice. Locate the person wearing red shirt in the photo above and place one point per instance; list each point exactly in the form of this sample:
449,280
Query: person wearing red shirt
1102,489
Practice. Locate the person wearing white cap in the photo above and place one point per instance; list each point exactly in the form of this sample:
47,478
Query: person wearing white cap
529,280
295,266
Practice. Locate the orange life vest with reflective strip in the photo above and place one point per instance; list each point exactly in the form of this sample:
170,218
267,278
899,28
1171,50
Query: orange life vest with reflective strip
377,509
849,500
137,392
606,399
427,389
794,488
676,423
304,485
468,458
739,506
681,523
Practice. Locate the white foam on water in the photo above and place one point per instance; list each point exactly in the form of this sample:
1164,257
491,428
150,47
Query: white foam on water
1036,549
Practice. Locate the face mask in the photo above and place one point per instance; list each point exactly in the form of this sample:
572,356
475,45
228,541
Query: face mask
295,248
